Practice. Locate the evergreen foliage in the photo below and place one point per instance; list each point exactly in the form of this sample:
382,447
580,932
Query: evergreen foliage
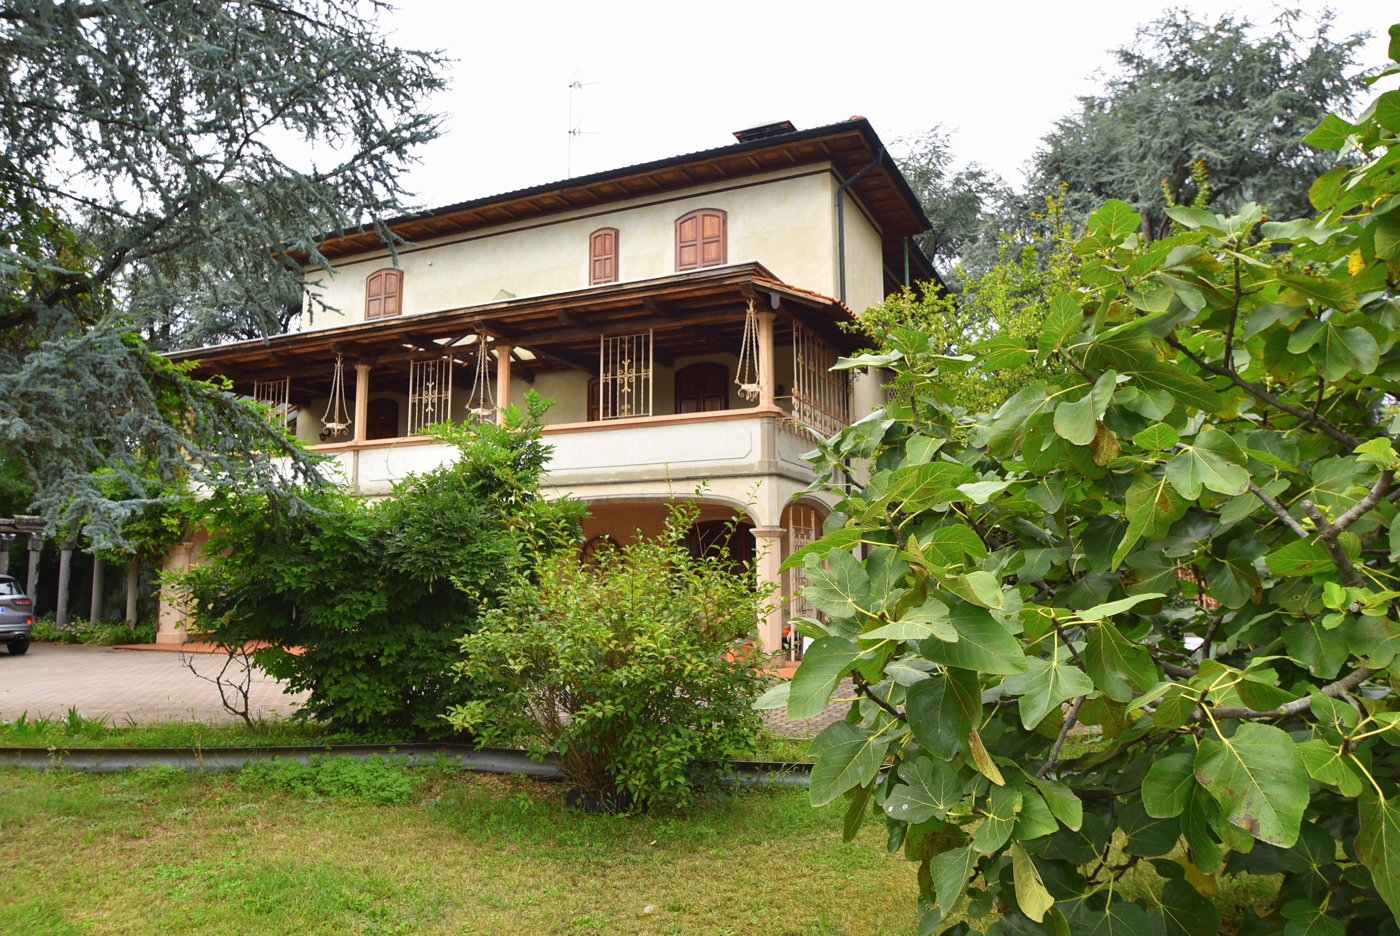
1234,99
147,193
1137,631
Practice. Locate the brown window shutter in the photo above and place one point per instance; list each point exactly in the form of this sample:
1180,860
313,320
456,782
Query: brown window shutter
383,294
602,257
700,239
712,248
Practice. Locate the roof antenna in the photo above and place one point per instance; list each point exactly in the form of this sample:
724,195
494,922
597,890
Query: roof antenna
575,129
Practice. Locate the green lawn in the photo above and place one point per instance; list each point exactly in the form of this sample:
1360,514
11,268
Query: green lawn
167,852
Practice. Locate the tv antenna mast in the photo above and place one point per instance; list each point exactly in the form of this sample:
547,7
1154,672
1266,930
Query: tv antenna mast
575,129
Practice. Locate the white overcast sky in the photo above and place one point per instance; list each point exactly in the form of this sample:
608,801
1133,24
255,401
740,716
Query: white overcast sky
663,80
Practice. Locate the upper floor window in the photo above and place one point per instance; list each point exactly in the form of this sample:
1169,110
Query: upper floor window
602,256
700,239
383,294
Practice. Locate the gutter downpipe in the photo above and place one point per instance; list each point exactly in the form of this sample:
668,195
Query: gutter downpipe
841,216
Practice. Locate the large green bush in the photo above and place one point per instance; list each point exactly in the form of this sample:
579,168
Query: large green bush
633,670
1128,645
364,603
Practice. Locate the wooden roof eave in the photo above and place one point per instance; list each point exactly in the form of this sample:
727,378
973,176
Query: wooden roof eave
559,327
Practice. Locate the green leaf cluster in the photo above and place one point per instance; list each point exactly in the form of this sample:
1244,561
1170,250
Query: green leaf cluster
363,603
1146,612
633,668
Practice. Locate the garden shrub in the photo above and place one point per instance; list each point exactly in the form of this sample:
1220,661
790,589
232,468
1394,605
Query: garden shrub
364,603
632,671
380,780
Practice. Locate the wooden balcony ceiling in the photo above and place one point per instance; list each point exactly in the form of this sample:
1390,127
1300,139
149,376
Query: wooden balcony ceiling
850,146
700,313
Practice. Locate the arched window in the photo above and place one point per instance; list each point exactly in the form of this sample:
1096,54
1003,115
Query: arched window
729,540
602,256
700,239
702,388
383,294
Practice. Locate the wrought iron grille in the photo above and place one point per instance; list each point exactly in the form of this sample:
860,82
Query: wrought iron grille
804,528
278,395
821,398
429,393
625,376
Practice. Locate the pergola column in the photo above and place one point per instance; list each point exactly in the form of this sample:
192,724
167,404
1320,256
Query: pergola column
36,548
503,352
133,586
6,541
99,587
361,431
766,382
769,543
65,573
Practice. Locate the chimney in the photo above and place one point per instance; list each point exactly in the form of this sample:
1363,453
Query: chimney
764,130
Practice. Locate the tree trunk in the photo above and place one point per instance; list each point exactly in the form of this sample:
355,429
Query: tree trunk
133,585
65,572
99,583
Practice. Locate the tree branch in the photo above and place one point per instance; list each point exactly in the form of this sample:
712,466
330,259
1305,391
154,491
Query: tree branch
1071,717
1335,690
1279,510
1338,435
863,688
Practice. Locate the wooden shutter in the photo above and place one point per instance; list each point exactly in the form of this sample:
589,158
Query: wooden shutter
602,257
700,239
383,294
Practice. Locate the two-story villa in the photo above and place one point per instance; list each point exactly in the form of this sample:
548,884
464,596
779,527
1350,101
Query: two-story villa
683,313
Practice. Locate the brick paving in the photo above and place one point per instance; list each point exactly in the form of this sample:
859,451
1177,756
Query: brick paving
123,685
809,727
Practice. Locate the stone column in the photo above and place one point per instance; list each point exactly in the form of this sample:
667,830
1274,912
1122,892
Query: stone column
133,587
768,543
6,541
65,572
361,402
766,376
36,548
170,625
502,379
99,588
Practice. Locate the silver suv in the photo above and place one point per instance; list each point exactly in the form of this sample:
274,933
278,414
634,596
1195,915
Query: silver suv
16,616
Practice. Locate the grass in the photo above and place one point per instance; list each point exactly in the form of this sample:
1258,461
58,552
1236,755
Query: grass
76,731
165,851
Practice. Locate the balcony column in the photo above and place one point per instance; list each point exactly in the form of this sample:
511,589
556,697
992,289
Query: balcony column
361,402
766,382
503,351
768,542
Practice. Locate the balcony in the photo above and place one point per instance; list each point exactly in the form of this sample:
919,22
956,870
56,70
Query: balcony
676,450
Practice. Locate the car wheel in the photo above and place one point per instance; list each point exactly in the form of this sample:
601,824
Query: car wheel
19,647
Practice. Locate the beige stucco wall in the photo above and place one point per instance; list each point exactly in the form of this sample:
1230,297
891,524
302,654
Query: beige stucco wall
786,221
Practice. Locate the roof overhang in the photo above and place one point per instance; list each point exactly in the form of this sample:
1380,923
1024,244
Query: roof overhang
848,146
693,313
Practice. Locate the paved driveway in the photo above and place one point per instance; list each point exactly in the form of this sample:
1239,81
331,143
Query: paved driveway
140,685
